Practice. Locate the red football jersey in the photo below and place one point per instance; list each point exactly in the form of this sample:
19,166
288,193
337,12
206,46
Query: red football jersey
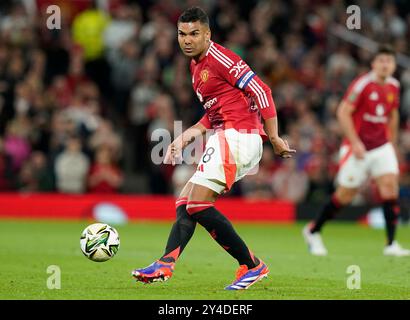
230,92
373,103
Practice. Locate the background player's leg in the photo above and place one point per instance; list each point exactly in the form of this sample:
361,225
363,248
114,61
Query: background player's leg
311,232
340,198
182,230
388,187
201,208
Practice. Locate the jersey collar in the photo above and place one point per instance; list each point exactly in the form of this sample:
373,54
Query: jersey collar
206,54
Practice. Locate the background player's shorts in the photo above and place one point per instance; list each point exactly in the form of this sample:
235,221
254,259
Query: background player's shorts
229,155
377,162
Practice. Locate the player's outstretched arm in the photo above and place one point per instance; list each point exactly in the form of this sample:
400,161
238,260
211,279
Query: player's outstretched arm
262,95
174,150
280,146
344,115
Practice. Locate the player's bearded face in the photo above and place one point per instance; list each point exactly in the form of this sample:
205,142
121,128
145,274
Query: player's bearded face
384,65
193,38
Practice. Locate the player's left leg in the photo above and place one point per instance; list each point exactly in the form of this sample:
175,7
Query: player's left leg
385,171
201,207
388,187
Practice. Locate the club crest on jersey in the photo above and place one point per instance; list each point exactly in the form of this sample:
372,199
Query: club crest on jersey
390,97
204,75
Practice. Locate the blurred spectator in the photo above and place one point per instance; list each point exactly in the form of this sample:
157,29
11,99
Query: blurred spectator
104,175
16,27
16,143
320,183
36,175
124,25
71,168
289,183
388,22
180,177
257,184
84,108
6,170
124,63
105,135
88,31
162,110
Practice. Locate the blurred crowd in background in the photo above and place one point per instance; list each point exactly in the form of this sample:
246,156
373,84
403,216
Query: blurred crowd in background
78,104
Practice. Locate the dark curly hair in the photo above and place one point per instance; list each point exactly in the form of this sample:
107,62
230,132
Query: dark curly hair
194,14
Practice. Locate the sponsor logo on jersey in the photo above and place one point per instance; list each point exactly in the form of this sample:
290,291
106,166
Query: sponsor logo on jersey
379,117
210,103
237,68
379,110
204,75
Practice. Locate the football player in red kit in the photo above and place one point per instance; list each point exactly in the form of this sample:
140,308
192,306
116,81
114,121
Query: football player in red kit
233,97
369,117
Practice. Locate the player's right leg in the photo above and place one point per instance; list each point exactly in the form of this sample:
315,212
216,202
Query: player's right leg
388,186
181,232
352,173
229,155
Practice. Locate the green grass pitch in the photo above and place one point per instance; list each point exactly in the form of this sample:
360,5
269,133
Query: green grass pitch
28,247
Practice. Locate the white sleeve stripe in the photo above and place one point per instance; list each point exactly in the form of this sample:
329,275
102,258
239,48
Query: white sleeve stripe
216,54
223,55
210,46
258,94
222,62
264,95
263,92
361,83
265,99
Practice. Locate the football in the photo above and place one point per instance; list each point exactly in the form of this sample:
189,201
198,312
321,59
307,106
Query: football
99,242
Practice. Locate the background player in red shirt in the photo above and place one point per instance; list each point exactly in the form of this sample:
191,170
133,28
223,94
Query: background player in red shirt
369,117
231,95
